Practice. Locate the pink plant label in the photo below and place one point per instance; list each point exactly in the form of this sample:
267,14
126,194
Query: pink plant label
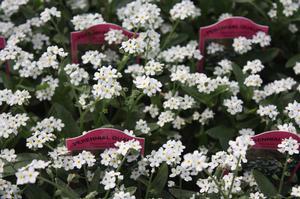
271,139
227,29
101,138
93,35
2,46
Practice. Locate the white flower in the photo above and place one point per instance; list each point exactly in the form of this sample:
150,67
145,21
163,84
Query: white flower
253,80
8,155
290,145
289,127
225,67
254,66
94,57
114,36
123,195
224,16
110,179
293,28
297,68
165,117
150,86
47,93
262,39
234,105
26,176
107,85
293,111
84,21
47,13
247,131
257,195
268,110
140,14
184,9
241,45
214,48
296,191
142,126
77,75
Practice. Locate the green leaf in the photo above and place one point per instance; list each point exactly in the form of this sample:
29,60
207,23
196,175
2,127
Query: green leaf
264,184
181,193
264,56
71,128
34,191
222,133
95,181
160,180
66,190
292,61
23,159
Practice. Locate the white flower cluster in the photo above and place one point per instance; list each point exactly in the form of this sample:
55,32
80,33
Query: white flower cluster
253,80
289,127
107,85
289,7
242,45
110,179
269,111
77,75
204,117
9,190
224,67
179,103
46,93
93,57
29,173
149,85
289,145
177,54
184,9
19,97
224,16
234,105
84,21
152,109
254,66
9,124
170,153
214,48
293,111
44,132
48,13
141,125
114,36
10,7
297,68
49,59
139,14
8,155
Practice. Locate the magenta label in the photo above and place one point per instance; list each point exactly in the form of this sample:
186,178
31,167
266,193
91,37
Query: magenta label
2,45
93,35
227,29
271,139
101,138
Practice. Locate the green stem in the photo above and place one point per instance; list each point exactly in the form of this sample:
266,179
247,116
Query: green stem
148,187
170,35
234,176
217,183
283,174
121,64
118,169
